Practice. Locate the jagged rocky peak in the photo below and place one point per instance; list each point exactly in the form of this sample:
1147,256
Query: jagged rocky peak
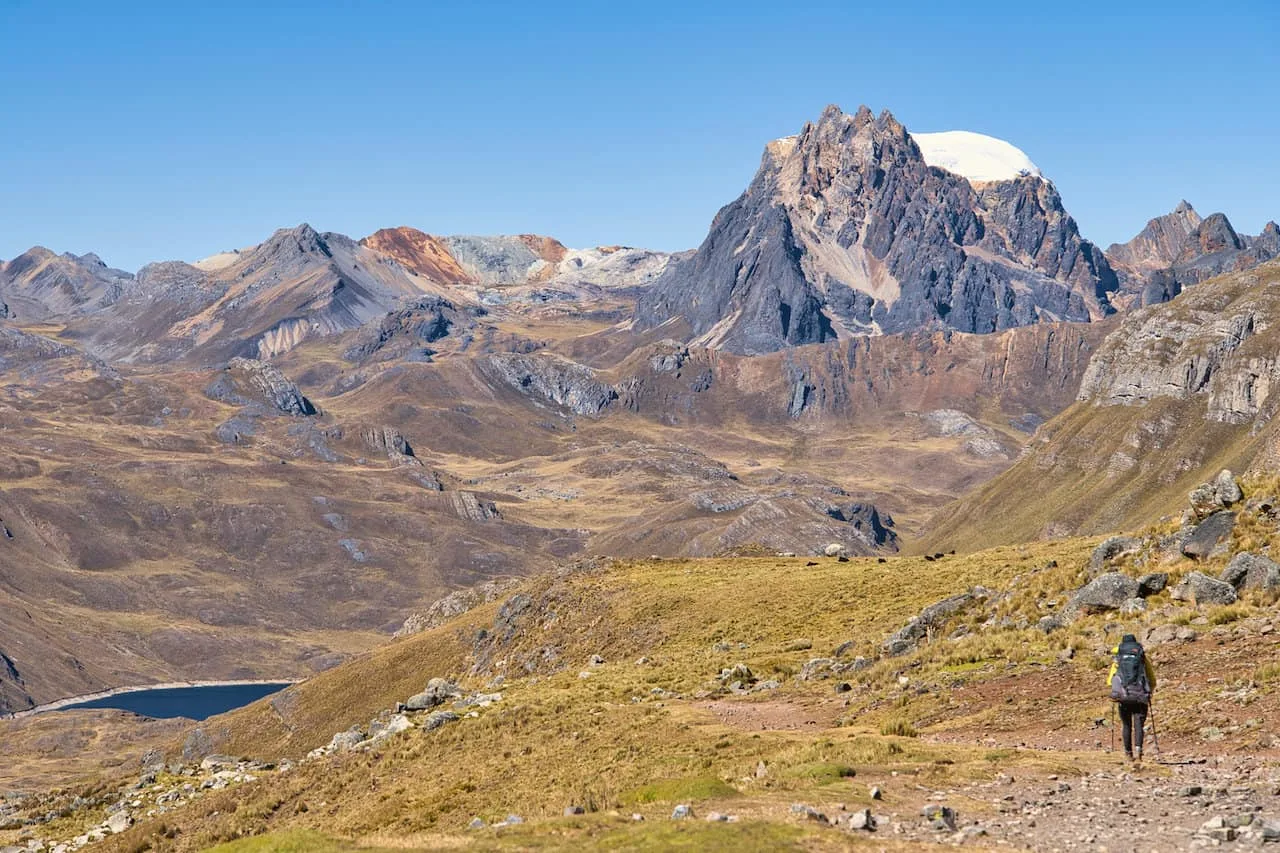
848,229
1180,249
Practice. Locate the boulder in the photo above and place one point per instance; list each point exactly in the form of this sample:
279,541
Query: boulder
1204,500
436,719
1202,589
1227,489
118,822
438,691
1168,633
343,741
1208,534
1116,546
1105,592
1251,571
930,619
1133,606
1152,583
835,549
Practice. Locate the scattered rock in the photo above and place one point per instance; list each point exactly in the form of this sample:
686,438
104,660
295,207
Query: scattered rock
862,819
682,812
343,741
570,811
439,691
1202,589
835,549
1152,583
118,822
940,817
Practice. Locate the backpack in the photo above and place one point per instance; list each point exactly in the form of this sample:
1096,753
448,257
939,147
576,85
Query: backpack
1130,684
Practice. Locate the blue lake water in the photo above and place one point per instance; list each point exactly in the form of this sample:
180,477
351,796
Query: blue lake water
195,703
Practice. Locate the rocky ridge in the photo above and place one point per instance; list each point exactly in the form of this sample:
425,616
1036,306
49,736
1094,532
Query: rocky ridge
1180,249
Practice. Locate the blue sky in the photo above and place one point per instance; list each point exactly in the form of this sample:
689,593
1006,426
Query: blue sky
154,131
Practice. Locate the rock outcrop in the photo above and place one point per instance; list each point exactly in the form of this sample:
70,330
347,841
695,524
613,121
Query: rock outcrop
551,379
847,230
247,381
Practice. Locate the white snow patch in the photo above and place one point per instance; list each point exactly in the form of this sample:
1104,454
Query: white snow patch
975,156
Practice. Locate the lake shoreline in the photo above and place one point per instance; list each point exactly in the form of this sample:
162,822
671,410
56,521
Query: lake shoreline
59,704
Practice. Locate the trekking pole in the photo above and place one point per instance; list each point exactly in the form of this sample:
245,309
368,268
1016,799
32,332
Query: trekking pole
1113,728
1155,737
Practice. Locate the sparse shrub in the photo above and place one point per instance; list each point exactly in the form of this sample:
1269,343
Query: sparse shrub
898,727
1227,615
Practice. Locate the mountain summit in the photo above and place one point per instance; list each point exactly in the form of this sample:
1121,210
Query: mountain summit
854,227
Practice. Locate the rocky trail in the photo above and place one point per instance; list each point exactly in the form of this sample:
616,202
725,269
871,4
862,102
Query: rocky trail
1157,806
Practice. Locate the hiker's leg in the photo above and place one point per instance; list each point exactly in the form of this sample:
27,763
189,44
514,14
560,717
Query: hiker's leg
1126,724
1139,723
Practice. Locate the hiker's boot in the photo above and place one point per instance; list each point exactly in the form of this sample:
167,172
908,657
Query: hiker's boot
1137,755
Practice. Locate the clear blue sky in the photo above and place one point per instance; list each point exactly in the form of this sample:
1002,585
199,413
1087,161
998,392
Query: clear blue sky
174,130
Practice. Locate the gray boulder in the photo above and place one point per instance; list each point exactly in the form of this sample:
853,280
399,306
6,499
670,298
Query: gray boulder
343,741
1208,534
1251,571
1202,589
1150,584
436,719
930,619
1204,500
1116,546
1226,488
439,690
1105,592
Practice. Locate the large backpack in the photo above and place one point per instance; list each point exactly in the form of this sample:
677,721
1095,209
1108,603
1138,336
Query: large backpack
1130,684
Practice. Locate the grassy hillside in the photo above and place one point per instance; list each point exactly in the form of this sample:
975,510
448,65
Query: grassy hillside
985,696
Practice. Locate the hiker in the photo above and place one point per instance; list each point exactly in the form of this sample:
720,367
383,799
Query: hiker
1132,681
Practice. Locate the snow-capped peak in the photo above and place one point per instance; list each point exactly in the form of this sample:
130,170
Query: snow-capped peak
975,156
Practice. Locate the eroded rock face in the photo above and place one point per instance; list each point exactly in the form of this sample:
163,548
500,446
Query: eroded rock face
246,381
1213,343
552,379
846,230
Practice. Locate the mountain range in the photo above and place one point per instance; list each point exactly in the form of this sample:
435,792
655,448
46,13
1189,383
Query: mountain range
259,463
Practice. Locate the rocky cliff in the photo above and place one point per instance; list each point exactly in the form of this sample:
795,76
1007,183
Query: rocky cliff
1180,249
1179,391
847,230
